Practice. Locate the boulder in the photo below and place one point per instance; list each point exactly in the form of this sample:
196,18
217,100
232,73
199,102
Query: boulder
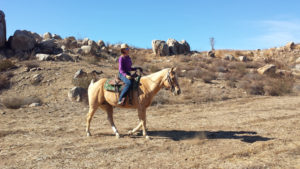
101,43
87,49
93,44
160,48
242,58
78,51
47,35
49,46
57,37
43,57
184,47
2,29
267,69
36,79
211,54
290,46
63,57
71,38
22,40
85,41
77,94
37,37
173,46
79,74
34,105
70,43
229,57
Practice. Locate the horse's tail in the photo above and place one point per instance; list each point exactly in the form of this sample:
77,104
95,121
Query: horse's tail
89,90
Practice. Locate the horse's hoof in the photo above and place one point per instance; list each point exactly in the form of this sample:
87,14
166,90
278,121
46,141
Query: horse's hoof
148,138
130,132
117,136
88,134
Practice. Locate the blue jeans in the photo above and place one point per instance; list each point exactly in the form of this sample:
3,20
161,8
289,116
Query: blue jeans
127,86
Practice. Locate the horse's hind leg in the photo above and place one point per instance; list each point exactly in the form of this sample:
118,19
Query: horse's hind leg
90,115
109,110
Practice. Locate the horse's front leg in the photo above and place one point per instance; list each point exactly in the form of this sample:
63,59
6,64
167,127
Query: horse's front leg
142,123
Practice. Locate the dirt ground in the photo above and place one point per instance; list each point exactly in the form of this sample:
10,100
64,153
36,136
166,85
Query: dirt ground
248,132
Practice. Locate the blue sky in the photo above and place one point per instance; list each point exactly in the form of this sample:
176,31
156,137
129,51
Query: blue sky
235,24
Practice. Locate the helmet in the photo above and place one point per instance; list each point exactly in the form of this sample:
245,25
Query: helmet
124,46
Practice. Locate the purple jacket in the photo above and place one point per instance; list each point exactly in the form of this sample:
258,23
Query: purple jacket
125,65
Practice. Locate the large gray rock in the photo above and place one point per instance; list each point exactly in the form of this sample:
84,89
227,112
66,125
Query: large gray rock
87,49
229,57
70,42
57,37
2,29
43,57
85,41
243,58
37,37
22,40
63,57
93,44
36,79
184,47
173,46
290,46
267,69
47,35
160,48
49,46
101,43
77,94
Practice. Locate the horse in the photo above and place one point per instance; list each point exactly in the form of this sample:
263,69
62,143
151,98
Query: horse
141,98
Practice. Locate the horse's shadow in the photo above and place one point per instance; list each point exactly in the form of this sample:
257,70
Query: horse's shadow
177,135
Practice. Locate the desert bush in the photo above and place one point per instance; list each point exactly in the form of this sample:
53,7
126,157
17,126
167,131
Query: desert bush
31,64
257,84
5,65
91,59
17,102
161,98
254,64
253,88
279,87
203,74
4,81
83,82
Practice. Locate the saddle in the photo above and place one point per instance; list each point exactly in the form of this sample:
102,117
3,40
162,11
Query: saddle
116,84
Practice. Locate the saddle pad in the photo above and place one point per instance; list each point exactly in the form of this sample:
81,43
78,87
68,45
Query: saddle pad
119,88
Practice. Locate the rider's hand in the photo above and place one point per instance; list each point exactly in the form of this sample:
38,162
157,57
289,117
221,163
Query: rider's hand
128,77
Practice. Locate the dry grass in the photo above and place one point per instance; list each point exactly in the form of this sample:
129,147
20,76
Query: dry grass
32,64
5,65
18,102
256,84
4,81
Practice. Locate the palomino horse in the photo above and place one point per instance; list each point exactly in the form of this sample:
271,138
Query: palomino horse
141,99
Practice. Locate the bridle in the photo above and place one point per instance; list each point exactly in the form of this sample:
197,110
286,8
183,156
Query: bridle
170,81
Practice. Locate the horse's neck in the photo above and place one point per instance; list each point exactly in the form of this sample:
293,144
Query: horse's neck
154,82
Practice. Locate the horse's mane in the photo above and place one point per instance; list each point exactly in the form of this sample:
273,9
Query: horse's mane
156,73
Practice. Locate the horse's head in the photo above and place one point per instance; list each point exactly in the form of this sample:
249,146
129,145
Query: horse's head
171,82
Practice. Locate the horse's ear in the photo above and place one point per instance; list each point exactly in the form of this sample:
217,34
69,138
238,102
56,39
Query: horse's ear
173,69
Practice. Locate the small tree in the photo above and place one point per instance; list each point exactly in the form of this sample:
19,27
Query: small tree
212,43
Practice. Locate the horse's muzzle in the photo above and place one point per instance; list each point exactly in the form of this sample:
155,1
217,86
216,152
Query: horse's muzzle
177,92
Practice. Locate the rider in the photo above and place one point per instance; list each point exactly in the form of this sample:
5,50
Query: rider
125,66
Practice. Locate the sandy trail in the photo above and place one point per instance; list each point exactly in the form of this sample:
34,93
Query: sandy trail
257,132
